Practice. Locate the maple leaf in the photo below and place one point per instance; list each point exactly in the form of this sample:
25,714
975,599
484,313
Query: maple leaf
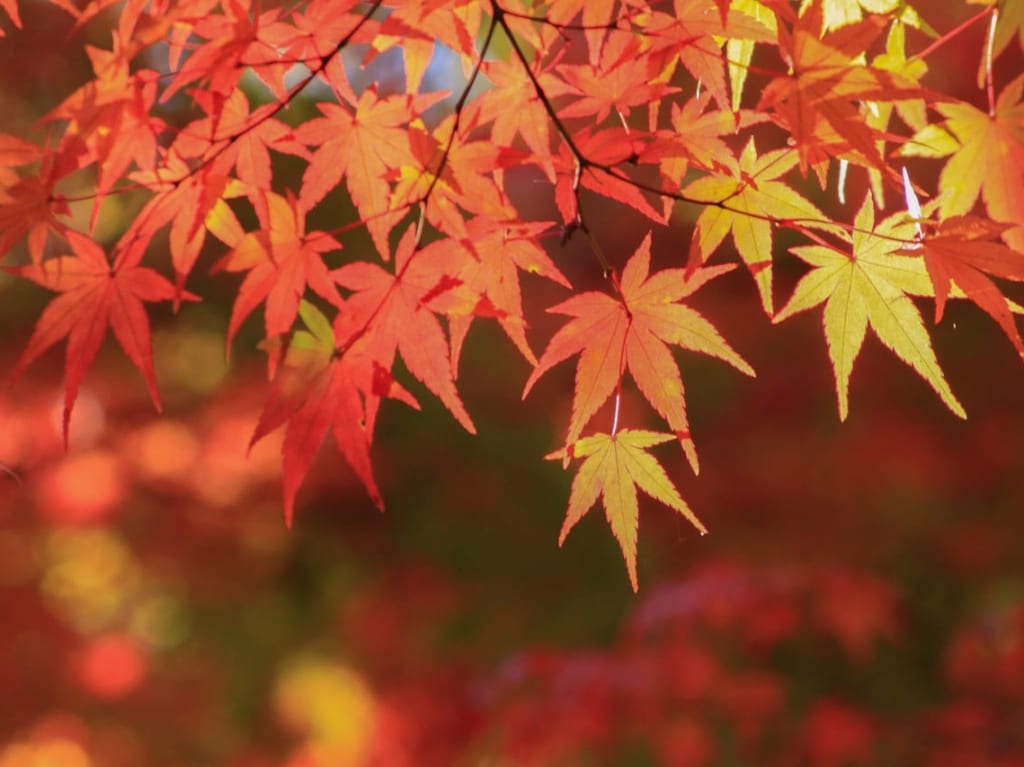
239,138
869,287
513,108
986,158
500,250
95,294
695,137
109,119
363,147
452,175
229,38
603,152
621,80
961,250
317,391
614,465
634,331
388,313
188,200
745,203
28,206
281,260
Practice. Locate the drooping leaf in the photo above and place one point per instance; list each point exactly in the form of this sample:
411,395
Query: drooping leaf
96,293
614,466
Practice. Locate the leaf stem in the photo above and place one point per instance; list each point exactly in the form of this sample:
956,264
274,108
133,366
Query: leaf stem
951,34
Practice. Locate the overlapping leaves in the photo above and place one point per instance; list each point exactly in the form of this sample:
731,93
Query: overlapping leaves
281,130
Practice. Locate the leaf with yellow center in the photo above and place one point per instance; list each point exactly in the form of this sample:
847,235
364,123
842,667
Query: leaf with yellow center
870,286
614,465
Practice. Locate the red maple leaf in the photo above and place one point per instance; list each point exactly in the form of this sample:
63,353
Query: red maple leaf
500,252
239,138
96,293
319,390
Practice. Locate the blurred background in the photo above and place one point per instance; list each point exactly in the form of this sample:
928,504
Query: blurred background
859,601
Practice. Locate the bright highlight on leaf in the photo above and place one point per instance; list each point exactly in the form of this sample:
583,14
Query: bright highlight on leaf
614,466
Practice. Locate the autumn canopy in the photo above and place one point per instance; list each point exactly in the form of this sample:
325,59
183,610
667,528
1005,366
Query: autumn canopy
375,218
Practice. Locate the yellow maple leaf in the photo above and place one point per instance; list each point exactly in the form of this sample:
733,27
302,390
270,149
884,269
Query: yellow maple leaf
986,158
750,199
870,286
614,465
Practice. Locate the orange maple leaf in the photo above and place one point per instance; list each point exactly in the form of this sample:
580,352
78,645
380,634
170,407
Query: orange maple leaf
614,465
281,260
961,250
238,138
622,79
95,294
390,313
633,331
454,175
500,251
513,105
363,146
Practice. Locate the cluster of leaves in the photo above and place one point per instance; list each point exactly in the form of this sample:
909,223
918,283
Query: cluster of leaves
649,105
